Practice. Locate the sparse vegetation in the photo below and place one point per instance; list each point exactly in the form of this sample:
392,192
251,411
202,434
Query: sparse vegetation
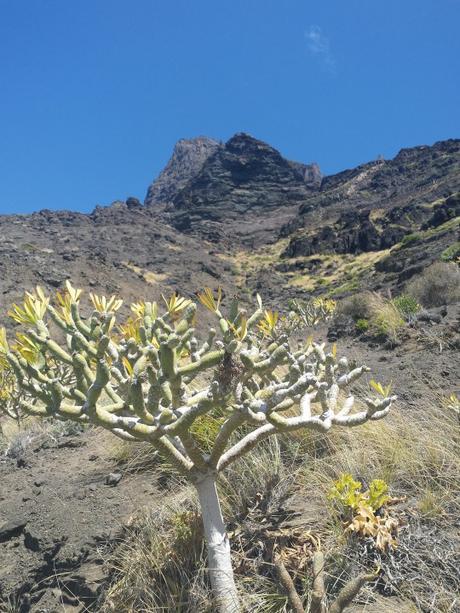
451,254
420,471
410,239
437,285
375,314
362,325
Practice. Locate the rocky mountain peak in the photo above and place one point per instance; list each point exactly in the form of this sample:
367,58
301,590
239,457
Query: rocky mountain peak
186,161
242,143
242,177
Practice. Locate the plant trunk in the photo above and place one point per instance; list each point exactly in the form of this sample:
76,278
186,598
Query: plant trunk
218,546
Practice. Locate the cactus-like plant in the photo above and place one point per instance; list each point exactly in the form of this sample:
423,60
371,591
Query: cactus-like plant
150,379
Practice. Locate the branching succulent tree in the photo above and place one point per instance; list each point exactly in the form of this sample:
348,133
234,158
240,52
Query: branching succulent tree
151,379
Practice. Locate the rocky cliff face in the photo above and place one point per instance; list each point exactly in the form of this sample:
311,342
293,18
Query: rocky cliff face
235,184
186,161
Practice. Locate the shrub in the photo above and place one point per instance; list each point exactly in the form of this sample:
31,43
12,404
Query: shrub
362,325
406,305
409,240
380,314
437,285
451,253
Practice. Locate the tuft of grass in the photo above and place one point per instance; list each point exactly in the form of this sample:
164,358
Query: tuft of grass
407,306
452,253
379,314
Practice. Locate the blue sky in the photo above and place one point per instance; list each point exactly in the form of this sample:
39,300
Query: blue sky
94,93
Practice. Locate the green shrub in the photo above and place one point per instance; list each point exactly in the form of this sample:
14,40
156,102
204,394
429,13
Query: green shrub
406,305
362,325
410,239
451,253
380,314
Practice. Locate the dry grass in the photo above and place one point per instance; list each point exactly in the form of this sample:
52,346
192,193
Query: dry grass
437,285
416,453
380,313
152,278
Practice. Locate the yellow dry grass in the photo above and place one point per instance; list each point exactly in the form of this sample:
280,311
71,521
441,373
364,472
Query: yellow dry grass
150,277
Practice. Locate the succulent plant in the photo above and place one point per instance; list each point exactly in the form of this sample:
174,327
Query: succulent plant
149,378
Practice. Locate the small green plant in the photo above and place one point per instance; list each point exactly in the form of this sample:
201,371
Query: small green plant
387,324
406,305
451,253
363,512
362,325
410,239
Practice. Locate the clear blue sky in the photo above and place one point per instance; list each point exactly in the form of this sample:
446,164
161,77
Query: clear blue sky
94,93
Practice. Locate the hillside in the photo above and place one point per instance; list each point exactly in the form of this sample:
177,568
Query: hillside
81,513
243,216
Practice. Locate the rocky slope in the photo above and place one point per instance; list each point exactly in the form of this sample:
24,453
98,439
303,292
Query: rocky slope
241,215
373,206
237,215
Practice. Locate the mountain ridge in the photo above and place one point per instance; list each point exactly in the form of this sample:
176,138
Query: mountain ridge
243,216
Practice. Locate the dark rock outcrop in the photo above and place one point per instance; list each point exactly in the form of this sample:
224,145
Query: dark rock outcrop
354,232
186,161
236,183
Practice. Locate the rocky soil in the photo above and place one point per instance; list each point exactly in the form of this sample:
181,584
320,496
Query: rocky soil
63,504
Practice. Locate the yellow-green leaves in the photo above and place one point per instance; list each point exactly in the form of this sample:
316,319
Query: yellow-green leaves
70,296
138,308
378,387
240,330
175,305
346,492
4,348
145,309
73,293
267,325
452,402
33,309
29,350
105,305
128,366
325,305
358,509
207,299
377,494
130,329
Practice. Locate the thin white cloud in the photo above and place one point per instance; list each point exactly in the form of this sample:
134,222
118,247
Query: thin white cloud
319,46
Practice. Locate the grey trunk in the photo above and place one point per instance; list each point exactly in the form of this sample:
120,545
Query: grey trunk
218,546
